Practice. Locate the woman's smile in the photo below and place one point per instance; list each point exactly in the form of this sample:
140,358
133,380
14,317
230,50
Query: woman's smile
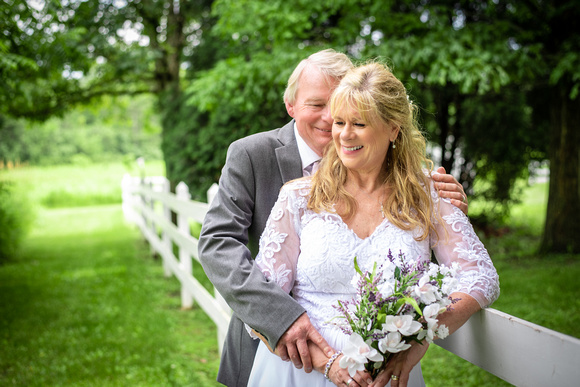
352,148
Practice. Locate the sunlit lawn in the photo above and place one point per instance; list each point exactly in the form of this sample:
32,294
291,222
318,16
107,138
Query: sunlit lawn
84,304
75,186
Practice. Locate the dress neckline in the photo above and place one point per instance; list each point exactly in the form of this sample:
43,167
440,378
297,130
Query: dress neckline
375,231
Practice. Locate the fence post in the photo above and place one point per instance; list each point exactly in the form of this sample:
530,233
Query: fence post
127,197
152,225
165,188
182,193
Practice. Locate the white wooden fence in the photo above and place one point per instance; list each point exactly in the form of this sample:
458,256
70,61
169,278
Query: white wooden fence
517,351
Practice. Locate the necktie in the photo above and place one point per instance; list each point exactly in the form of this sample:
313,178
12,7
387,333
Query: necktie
311,168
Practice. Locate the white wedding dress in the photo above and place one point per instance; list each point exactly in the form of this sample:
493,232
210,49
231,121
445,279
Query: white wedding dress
312,255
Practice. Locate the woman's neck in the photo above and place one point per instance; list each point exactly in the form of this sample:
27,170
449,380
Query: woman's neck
369,183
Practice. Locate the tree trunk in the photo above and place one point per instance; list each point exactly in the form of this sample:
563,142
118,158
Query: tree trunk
562,228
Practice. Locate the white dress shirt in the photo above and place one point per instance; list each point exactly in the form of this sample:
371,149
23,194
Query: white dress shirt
307,155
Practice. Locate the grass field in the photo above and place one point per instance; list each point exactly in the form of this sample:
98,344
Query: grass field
83,304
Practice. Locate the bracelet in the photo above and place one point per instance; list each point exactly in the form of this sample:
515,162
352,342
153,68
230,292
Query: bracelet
329,364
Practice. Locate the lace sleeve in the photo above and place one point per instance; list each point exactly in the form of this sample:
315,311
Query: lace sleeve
280,241
458,242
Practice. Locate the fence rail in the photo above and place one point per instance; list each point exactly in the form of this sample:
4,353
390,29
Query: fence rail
515,350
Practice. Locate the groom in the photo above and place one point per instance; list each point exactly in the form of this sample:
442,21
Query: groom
256,168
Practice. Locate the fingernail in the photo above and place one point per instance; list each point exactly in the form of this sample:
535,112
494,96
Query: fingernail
369,381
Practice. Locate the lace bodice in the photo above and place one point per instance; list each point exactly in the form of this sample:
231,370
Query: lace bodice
312,254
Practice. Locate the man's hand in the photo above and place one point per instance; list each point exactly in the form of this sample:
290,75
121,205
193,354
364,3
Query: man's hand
449,187
293,345
400,366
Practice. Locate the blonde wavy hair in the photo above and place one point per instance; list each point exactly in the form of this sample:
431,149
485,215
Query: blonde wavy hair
380,98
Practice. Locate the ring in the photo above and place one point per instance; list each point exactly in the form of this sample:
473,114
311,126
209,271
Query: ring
463,198
349,380
395,377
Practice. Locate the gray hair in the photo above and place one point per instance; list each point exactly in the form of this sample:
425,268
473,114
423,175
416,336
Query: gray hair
331,63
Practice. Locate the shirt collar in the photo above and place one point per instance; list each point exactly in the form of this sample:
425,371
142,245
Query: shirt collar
307,155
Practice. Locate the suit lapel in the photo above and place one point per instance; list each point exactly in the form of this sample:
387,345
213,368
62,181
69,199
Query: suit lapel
287,155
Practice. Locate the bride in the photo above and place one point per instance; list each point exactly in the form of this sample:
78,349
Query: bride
371,195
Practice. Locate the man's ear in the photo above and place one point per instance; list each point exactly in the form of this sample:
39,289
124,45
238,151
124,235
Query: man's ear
289,108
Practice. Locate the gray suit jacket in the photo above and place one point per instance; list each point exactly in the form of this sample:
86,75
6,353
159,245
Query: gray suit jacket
256,168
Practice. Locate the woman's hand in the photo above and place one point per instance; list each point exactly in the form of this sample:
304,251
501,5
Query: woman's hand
341,377
336,373
400,365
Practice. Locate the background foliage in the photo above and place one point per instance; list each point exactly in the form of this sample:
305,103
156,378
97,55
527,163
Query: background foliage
114,129
497,80
16,217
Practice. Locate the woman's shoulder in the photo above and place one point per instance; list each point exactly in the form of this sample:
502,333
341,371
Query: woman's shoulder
429,180
299,186
294,194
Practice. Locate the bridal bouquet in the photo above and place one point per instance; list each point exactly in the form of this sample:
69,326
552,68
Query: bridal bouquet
396,304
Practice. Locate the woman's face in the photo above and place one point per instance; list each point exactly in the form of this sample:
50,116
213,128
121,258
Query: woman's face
362,146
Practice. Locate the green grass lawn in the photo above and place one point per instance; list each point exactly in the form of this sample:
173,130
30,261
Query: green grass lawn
84,304
66,186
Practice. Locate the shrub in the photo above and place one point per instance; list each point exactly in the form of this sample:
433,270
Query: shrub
15,220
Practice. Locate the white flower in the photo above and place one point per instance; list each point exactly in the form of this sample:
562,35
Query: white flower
425,290
388,266
402,323
442,332
393,343
432,310
429,333
356,354
433,269
448,285
429,314
352,364
387,288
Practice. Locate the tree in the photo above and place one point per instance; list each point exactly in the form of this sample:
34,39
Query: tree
474,66
58,54
449,67
478,68
549,26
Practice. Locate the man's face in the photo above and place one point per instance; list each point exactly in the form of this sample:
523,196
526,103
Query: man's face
311,109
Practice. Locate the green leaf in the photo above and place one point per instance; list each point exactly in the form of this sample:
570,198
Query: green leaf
357,268
397,273
410,301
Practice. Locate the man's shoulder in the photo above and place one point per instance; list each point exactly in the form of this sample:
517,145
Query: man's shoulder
259,138
271,138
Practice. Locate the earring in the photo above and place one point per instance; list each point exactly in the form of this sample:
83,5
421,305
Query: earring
393,142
